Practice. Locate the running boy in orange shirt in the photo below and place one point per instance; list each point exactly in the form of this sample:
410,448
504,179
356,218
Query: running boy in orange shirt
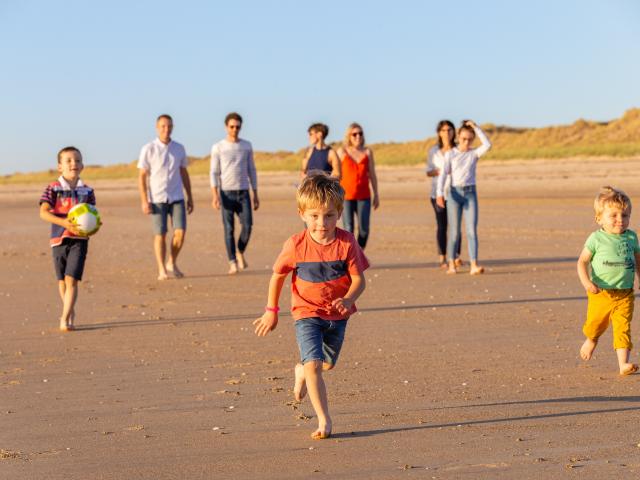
327,265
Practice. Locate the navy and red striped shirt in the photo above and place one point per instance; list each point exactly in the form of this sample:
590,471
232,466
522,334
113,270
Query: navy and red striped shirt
62,198
321,273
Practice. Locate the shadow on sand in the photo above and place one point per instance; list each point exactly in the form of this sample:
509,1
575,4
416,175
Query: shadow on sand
427,426
253,316
487,263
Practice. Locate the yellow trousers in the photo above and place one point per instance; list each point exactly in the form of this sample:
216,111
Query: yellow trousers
610,306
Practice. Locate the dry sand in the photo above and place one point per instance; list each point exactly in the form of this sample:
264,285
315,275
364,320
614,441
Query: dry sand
440,376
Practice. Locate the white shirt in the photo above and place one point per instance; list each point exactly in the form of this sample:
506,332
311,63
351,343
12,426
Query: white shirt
163,162
437,159
232,166
461,166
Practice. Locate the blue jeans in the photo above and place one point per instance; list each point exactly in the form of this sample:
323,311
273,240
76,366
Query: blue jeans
441,232
320,339
362,209
462,199
236,202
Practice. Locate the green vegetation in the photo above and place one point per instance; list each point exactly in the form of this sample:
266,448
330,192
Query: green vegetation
617,138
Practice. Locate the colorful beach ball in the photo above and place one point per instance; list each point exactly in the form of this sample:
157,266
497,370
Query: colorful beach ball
86,217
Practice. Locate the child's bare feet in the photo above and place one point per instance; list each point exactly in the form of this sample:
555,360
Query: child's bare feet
174,270
628,368
233,268
587,349
322,432
300,386
242,262
162,276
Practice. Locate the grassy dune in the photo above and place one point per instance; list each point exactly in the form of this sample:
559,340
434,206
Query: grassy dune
616,138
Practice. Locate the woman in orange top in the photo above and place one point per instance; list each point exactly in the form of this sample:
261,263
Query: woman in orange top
358,171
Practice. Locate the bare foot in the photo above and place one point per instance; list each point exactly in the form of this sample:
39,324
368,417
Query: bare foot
451,270
322,432
476,271
628,368
163,276
587,349
300,386
174,270
233,268
458,262
444,265
66,327
242,262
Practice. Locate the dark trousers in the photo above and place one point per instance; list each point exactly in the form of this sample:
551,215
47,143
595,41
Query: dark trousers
236,202
361,209
441,231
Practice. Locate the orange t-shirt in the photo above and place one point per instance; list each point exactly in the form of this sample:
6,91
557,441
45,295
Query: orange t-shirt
321,273
355,178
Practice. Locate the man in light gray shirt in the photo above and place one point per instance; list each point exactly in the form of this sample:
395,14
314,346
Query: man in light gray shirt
232,173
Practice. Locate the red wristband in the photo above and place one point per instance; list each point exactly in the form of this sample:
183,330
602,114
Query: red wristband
272,309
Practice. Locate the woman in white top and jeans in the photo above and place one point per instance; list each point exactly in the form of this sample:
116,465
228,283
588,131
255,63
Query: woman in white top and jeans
435,162
461,166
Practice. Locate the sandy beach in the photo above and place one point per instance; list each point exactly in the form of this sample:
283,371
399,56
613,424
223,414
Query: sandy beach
442,377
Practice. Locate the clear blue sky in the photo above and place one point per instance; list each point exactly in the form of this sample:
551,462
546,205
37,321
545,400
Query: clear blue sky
96,74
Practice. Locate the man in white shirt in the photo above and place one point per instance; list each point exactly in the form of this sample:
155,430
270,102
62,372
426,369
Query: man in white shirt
163,175
232,173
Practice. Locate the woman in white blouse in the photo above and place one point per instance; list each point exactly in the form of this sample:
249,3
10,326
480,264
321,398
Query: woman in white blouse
461,167
435,163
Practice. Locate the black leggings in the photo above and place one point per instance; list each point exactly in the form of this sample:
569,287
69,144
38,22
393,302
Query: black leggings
441,232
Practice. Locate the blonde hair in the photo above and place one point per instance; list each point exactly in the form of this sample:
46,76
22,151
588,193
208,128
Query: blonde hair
346,141
610,197
319,190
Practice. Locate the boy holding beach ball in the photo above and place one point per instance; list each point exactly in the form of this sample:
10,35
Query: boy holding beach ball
327,265
69,243
612,255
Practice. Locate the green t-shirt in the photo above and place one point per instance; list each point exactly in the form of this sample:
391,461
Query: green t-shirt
613,262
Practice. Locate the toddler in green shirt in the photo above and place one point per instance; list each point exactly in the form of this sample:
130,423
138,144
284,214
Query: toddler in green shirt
607,267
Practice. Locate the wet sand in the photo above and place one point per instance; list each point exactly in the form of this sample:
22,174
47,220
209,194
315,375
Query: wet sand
440,376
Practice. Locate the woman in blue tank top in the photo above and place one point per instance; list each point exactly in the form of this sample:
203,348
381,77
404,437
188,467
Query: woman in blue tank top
320,156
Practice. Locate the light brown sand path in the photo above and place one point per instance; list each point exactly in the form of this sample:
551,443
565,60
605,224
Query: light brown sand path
440,377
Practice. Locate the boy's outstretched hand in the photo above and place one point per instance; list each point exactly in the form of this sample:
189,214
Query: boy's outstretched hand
267,322
342,305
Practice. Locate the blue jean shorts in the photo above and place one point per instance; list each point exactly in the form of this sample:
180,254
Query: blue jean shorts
320,339
160,212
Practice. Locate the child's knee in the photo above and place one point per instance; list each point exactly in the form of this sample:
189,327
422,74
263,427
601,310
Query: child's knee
69,281
327,366
313,367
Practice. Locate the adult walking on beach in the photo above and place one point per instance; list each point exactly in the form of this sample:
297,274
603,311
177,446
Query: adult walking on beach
162,178
436,158
320,156
358,171
461,166
232,172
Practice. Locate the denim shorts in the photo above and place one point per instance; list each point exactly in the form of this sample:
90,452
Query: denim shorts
160,212
320,339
